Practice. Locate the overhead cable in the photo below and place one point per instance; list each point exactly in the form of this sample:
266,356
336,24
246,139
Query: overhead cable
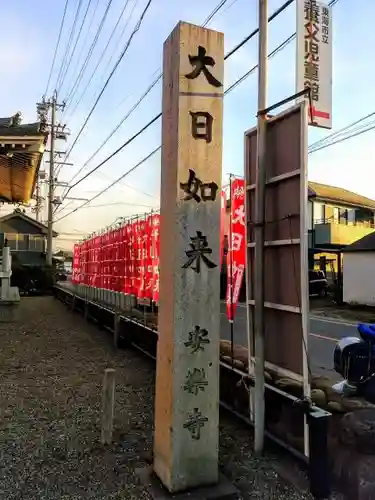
100,58
136,29
65,60
135,106
57,46
145,127
75,44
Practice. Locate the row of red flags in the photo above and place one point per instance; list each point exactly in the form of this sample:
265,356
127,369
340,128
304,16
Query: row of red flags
126,258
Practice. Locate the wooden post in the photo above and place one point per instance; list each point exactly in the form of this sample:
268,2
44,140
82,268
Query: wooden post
187,372
108,405
116,329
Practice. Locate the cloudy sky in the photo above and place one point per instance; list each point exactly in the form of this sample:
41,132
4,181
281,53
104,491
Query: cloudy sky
28,39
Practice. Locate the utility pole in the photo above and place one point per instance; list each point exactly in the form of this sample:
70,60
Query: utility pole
51,182
56,132
259,229
37,199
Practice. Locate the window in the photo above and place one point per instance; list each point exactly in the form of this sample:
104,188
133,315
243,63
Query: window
318,212
36,243
351,215
12,240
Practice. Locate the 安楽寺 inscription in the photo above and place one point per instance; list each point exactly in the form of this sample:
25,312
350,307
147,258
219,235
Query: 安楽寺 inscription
200,63
199,251
197,339
208,190
194,423
201,125
195,381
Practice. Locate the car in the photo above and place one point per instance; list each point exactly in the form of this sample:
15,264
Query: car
318,284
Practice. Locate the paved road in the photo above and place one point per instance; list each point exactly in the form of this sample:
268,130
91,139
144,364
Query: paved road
324,334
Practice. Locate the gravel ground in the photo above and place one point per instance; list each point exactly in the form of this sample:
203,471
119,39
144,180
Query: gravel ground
51,368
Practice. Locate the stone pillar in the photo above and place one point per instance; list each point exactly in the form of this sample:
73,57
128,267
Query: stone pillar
6,271
187,372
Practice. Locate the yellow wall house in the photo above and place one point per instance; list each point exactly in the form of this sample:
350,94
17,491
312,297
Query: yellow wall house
21,150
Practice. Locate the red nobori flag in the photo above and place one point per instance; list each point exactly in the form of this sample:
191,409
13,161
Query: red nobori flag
236,257
148,258
222,223
155,252
128,253
76,270
142,257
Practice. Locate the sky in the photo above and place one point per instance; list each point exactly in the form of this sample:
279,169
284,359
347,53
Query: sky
28,39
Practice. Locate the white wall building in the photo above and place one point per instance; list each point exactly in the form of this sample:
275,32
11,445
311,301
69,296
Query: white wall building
359,272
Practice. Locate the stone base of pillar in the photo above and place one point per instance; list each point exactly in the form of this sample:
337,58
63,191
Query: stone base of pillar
223,490
8,311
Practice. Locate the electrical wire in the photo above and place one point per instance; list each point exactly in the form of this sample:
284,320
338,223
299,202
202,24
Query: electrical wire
228,90
108,65
57,46
79,59
100,58
338,141
341,131
219,6
91,50
142,161
136,29
229,54
76,43
81,54
115,204
210,17
112,184
67,50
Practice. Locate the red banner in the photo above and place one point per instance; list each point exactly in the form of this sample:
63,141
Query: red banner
123,259
223,214
236,257
155,252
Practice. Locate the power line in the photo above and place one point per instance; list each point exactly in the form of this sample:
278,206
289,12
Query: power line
79,59
89,81
140,132
112,184
135,106
371,126
136,29
83,69
228,90
341,131
219,6
67,50
57,46
138,164
117,203
76,43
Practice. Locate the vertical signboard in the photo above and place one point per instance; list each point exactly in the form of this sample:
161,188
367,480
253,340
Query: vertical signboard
314,59
187,371
286,251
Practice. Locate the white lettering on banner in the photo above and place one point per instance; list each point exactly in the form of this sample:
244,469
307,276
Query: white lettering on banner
239,215
314,59
239,192
236,242
238,281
